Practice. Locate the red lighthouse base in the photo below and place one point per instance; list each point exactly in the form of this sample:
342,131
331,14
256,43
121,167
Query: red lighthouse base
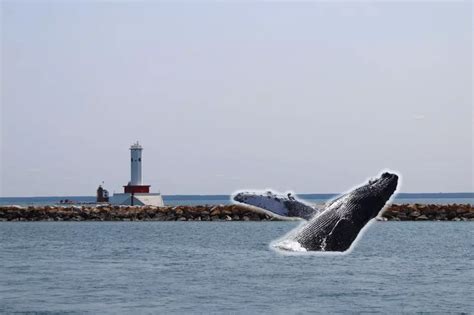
131,189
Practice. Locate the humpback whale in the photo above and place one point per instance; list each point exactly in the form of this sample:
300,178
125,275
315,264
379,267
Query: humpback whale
337,225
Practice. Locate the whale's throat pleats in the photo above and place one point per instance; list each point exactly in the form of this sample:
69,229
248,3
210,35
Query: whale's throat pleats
317,233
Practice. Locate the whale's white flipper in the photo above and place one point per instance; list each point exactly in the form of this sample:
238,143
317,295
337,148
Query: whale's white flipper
281,205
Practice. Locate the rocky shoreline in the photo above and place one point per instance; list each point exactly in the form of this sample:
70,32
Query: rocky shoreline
394,212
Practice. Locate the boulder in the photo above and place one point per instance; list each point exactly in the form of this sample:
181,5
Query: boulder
227,212
389,213
402,216
235,209
215,212
421,218
451,215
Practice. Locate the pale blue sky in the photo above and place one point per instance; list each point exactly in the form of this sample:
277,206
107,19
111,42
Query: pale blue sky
310,97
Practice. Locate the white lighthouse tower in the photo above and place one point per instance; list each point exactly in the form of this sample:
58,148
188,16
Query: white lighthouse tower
135,193
136,164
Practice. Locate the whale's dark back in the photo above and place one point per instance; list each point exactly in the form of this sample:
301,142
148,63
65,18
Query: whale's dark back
336,227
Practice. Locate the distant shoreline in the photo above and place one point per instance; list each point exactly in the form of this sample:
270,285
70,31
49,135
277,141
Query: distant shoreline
394,212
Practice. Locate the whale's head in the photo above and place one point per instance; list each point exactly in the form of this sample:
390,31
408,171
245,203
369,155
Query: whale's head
367,200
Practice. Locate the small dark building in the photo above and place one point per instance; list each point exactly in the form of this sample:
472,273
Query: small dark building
102,194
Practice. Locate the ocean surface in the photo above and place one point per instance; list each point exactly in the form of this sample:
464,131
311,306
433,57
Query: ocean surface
228,267
423,198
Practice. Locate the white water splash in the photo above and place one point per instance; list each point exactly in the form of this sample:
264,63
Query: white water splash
323,244
289,245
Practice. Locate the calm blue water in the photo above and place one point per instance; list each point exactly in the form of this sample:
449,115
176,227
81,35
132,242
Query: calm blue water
208,267
427,198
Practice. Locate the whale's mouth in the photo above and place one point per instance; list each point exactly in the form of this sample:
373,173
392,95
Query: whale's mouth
374,195
389,176
386,183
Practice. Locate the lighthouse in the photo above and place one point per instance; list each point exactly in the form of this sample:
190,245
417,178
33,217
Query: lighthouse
136,164
135,193
135,185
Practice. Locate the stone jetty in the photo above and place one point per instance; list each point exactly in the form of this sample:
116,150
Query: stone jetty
395,212
429,212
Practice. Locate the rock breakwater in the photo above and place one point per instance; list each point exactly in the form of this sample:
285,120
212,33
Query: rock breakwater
429,212
395,212
132,213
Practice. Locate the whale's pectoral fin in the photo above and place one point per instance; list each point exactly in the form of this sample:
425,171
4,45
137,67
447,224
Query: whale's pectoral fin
342,236
270,202
277,204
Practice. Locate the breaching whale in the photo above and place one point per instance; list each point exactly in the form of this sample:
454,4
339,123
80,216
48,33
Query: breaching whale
337,225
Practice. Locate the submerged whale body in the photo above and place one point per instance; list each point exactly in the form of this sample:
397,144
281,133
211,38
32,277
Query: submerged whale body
335,227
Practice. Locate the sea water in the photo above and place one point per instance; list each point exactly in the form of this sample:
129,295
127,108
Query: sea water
229,267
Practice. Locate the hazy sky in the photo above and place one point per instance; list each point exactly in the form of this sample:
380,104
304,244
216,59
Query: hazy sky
310,97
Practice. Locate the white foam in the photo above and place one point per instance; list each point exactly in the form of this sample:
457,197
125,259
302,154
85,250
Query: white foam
290,245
